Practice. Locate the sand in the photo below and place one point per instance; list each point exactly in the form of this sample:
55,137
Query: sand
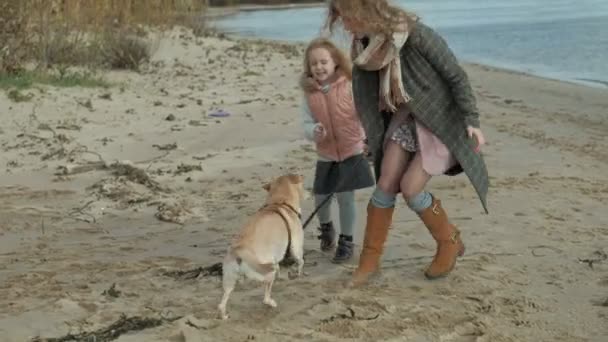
106,190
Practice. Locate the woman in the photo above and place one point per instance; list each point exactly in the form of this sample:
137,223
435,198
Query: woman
420,117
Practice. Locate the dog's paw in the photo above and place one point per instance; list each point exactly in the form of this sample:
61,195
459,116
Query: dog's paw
294,275
270,302
221,312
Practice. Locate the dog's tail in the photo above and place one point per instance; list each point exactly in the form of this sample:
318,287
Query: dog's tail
245,255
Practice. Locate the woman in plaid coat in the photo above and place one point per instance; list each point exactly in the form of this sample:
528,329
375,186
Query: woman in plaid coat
421,120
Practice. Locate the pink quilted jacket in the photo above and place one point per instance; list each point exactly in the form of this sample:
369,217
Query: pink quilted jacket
335,110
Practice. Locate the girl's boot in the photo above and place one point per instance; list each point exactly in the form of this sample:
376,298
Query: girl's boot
327,236
344,251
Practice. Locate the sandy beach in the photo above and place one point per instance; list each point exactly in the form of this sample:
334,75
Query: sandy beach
107,191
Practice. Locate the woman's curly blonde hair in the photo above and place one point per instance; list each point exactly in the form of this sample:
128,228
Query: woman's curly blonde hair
376,16
343,63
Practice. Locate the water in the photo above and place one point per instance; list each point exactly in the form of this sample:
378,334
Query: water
561,39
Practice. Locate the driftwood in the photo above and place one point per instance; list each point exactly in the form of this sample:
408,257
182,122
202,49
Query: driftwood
134,174
601,256
110,333
215,270
80,210
125,169
166,147
351,315
73,169
112,292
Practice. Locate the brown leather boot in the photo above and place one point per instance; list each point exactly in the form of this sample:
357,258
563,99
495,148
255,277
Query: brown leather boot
449,244
376,231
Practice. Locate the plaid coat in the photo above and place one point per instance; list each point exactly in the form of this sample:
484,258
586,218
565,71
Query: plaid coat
442,99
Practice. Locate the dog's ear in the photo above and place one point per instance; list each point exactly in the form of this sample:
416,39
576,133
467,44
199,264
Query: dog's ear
266,186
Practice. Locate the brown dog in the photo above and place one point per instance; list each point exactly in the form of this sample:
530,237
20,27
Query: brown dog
265,238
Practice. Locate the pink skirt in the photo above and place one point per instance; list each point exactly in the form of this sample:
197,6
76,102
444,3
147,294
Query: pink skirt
413,136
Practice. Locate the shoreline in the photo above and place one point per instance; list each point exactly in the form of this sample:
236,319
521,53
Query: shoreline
585,82
588,83
224,12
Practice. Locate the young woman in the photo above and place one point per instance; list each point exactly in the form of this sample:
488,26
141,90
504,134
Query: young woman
421,119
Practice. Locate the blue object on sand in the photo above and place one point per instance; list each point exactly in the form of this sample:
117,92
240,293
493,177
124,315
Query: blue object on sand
220,113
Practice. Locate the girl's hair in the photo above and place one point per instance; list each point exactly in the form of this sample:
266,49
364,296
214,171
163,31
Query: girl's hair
376,16
343,63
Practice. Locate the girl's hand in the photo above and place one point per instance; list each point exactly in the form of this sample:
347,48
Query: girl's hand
478,135
319,132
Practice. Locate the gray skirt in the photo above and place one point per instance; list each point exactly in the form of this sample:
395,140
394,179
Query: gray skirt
350,174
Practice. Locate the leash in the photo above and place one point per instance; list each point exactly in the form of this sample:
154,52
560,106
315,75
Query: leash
287,259
275,208
326,199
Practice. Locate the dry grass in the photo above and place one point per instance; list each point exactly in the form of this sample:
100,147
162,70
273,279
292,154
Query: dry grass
122,50
93,33
14,39
259,2
95,15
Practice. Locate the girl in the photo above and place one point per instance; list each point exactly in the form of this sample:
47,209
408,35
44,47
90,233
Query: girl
420,116
330,120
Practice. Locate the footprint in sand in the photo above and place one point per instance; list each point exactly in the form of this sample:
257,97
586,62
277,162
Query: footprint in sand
349,318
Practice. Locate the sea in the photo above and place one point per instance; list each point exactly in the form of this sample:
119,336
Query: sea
558,39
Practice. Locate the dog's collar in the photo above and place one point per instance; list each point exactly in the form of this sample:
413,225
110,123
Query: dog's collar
287,205
293,209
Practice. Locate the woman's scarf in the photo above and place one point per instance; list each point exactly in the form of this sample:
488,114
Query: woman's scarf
382,54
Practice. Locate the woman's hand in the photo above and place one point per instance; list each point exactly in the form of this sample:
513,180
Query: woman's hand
478,135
